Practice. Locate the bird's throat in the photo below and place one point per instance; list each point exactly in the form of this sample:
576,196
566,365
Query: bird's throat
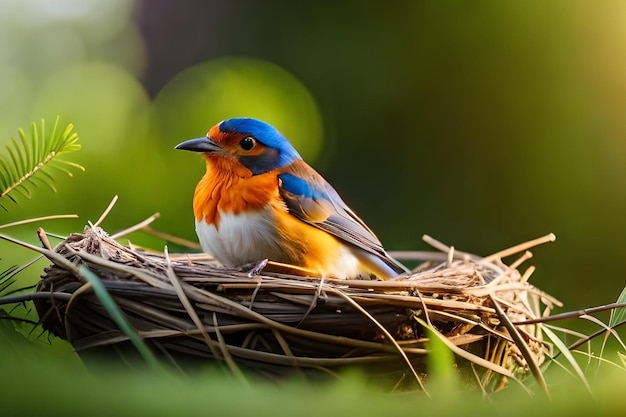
228,190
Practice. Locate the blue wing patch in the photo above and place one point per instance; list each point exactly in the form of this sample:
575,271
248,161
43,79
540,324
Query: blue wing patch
305,199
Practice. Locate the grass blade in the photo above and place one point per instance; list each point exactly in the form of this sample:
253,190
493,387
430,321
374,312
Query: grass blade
521,345
568,355
117,316
618,315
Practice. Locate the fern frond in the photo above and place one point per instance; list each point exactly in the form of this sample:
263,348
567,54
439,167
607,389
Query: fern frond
28,160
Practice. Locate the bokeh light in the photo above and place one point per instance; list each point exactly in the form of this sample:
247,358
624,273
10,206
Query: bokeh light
108,117
208,93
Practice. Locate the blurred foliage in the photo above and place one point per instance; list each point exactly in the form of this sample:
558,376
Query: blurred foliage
207,92
482,124
59,385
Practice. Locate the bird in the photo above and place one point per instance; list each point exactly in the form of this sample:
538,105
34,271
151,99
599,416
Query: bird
259,200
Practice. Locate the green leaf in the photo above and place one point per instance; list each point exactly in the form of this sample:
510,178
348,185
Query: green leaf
72,164
440,360
47,180
5,174
33,158
618,315
14,160
23,157
23,191
558,343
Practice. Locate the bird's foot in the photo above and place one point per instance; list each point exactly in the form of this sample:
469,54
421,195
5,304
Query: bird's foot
254,268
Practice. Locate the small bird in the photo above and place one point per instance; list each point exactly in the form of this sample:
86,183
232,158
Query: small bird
259,200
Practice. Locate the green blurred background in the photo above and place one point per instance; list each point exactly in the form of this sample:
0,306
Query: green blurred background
482,124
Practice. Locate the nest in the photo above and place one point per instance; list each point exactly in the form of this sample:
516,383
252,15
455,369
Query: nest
191,313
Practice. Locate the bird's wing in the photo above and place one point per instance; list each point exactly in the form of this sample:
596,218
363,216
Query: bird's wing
314,201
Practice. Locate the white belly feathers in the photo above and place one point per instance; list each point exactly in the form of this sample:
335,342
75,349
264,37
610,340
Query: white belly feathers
251,237
241,238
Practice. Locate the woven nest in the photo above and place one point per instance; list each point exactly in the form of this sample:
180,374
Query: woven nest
191,313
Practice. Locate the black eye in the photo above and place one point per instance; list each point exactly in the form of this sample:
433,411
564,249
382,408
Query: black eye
247,143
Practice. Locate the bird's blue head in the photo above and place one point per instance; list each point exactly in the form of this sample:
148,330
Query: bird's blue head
257,145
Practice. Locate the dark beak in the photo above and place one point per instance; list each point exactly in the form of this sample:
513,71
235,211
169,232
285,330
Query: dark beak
199,145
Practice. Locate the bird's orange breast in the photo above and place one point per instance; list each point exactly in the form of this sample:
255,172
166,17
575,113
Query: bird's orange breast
229,187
